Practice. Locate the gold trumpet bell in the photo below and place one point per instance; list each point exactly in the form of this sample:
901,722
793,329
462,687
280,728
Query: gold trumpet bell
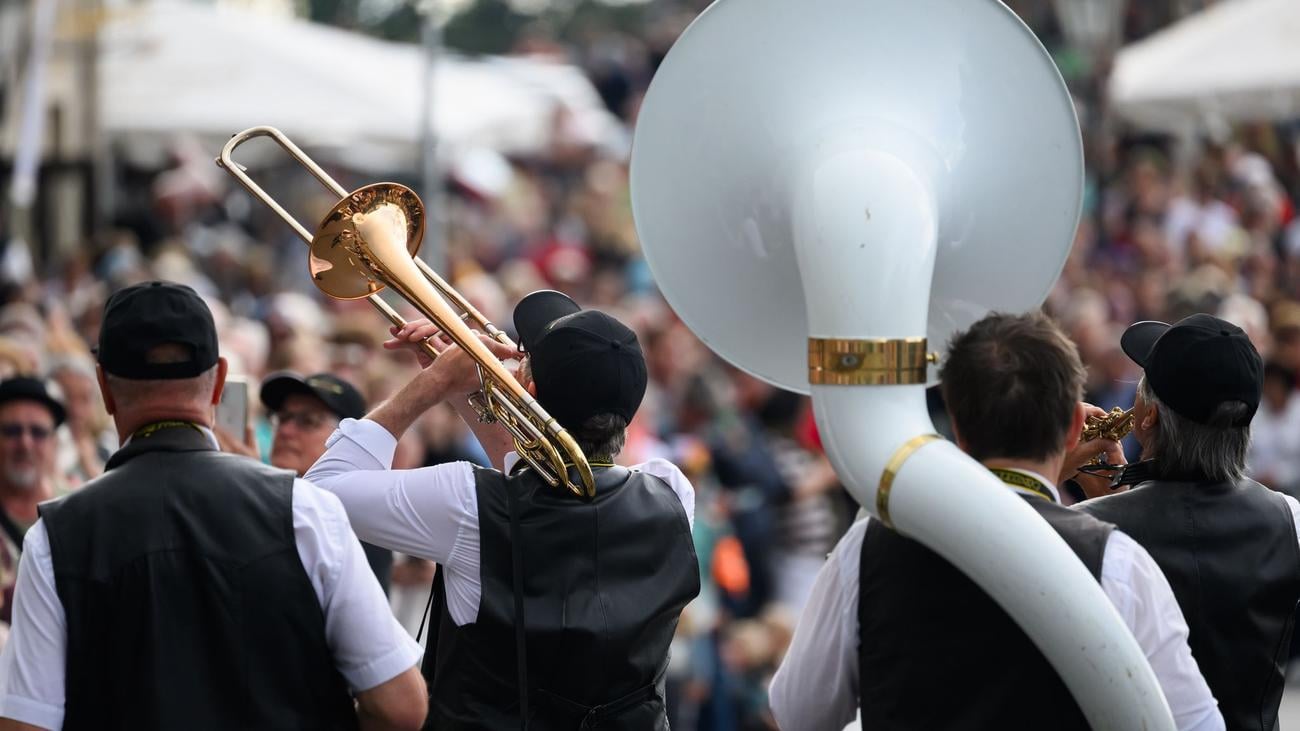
339,263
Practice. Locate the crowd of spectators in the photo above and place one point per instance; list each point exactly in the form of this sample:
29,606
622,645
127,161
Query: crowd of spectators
1167,231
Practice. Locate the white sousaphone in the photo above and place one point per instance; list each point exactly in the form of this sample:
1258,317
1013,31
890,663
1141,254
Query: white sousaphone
820,186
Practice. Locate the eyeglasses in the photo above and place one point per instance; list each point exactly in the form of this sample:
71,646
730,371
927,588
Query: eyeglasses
16,431
305,420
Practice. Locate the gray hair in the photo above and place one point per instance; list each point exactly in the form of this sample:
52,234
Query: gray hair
602,437
179,391
1185,449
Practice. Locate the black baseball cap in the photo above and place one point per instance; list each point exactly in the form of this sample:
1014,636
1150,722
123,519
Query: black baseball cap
584,362
26,388
338,395
1196,364
142,317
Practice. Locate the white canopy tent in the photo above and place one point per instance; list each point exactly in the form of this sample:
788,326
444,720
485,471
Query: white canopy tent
1238,60
175,68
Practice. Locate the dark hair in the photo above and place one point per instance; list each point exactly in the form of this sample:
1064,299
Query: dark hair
1011,384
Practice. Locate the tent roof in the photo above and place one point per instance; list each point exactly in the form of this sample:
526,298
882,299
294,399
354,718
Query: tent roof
1235,61
171,67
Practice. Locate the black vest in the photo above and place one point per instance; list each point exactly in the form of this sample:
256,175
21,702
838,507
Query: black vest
1230,554
604,583
187,604
926,629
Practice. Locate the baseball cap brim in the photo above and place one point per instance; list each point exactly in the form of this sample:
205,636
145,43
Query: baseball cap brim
279,387
1140,339
539,309
339,396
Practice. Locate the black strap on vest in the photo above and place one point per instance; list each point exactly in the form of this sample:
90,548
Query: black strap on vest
593,715
517,567
521,646
433,590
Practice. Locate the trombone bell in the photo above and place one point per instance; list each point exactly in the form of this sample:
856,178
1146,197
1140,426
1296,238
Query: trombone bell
367,242
339,266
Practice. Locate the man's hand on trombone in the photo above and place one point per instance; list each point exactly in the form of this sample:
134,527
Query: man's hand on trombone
454,373
457,370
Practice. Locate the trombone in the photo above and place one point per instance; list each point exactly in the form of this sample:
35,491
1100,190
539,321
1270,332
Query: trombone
367,242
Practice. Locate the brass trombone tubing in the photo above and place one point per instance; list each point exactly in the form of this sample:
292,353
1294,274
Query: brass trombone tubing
529,437
408,284
240,173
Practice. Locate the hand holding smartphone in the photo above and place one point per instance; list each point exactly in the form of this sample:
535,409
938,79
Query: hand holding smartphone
232,418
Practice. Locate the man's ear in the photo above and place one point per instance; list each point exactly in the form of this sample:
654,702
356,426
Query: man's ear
1075,432
109,405
220,385
1151,418
532,388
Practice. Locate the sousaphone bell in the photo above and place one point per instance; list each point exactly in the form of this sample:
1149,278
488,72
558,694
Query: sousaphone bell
825,191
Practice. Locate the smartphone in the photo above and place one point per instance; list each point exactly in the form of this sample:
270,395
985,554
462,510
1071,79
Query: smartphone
232,411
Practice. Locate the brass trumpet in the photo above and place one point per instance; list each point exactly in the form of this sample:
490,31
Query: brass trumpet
367,242
1115,425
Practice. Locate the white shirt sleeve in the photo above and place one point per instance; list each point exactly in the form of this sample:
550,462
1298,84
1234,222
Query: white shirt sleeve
367,642
682,488
32,663
1142,596
816,686
430,512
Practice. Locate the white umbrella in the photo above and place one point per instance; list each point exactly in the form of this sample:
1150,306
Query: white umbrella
1236,61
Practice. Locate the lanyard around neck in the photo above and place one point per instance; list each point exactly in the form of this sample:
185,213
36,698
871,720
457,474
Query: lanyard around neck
149,430
1033,485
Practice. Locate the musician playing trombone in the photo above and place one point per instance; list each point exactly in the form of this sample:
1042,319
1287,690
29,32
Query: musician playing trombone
546,605
896,631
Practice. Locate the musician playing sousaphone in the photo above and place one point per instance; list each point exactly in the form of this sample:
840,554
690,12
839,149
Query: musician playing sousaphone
1227,544
568,623
891,623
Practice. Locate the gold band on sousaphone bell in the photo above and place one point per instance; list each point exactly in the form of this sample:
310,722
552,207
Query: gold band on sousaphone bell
368,241
875,362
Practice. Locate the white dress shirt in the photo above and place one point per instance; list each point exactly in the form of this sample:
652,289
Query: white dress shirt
430,512
816,687
369,646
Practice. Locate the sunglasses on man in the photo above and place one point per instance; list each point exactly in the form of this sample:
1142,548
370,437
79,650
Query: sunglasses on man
15,431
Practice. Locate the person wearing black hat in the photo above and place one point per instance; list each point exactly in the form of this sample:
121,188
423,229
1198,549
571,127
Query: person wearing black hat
189,588
1227,544
597,585
29,417
304,412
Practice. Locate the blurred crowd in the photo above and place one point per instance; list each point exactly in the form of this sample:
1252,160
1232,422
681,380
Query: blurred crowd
1167,231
